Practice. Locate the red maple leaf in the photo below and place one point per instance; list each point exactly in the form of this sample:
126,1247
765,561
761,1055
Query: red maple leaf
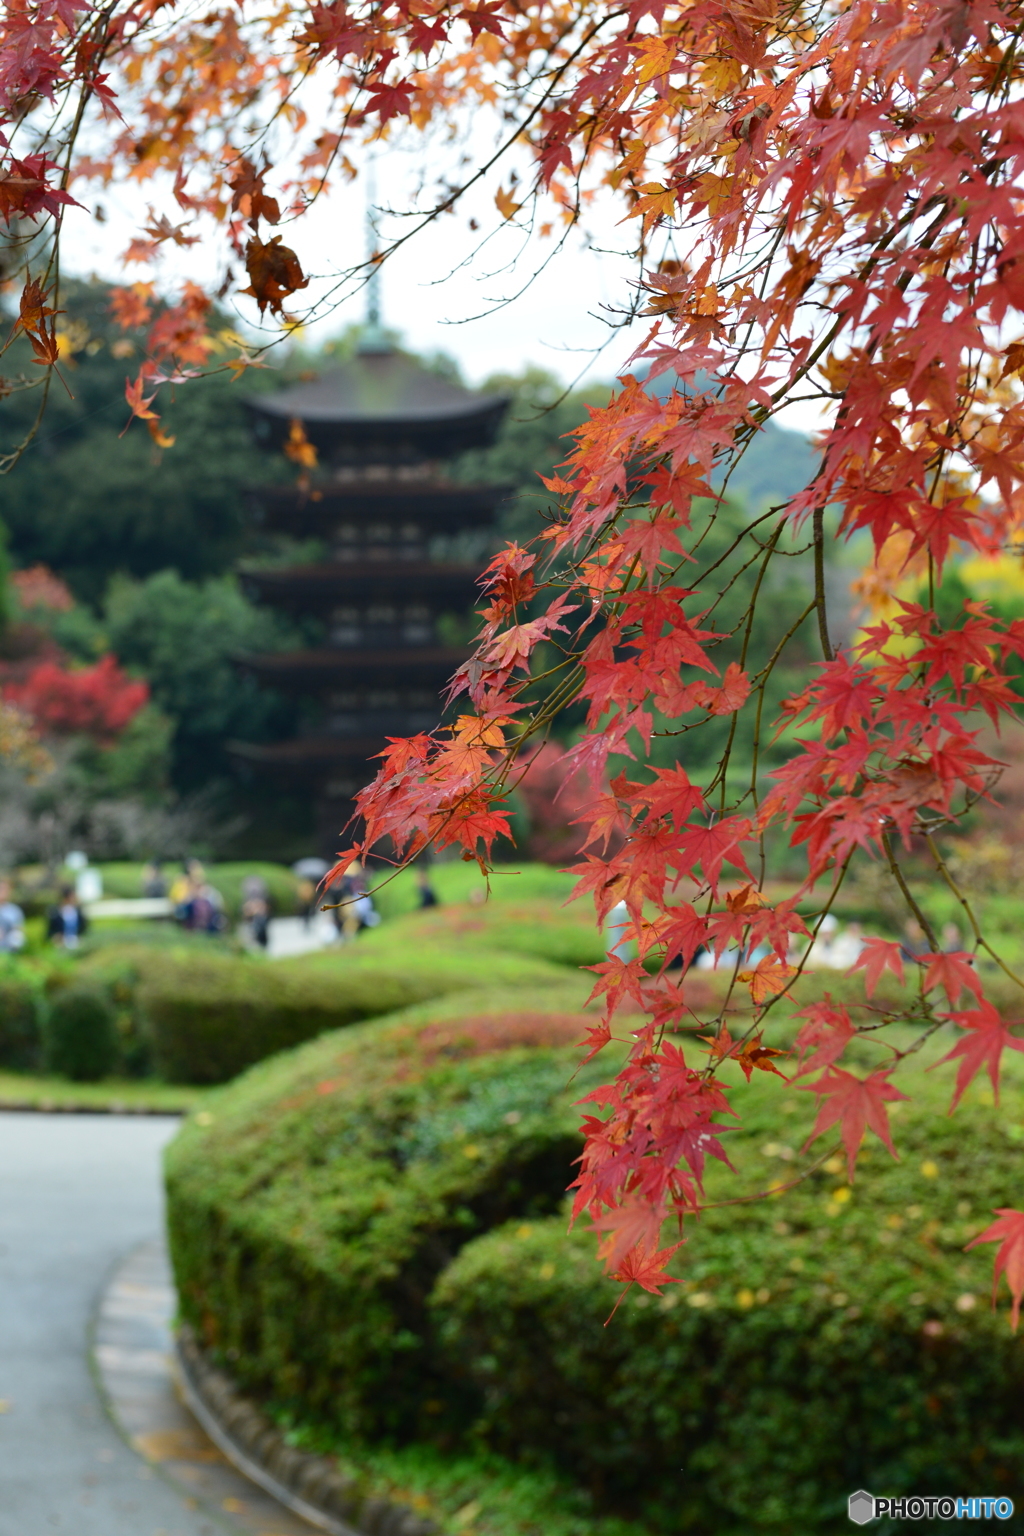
708,848
828,1032
989,1036
645,1268
636,1224
1008,1232
391,100
671,794
878,955
858,1104
952,972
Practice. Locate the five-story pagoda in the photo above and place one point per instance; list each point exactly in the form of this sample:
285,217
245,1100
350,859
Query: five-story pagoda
380,424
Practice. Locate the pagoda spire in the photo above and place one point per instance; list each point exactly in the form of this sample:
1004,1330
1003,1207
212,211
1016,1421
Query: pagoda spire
374,340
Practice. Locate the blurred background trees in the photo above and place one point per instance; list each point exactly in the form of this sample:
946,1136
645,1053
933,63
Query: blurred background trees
123,557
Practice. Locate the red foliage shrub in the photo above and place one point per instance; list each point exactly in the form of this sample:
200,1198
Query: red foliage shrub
557,799
38,587
94,701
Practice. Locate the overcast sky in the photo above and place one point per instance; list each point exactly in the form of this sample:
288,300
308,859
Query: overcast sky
435,290
443,290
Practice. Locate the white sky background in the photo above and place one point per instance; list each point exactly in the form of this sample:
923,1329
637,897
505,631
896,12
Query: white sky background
439,295
443,291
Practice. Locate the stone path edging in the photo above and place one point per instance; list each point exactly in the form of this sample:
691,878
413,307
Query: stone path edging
132,1351
114,1107
310,1486
188,1420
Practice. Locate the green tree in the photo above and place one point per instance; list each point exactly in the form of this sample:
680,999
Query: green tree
181,636
89,503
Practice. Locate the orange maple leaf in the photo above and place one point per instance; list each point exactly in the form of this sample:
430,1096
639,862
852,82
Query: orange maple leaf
769,977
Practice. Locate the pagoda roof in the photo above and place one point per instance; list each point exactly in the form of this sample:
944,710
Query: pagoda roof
385,578
443,505
382,406
311,755
322,667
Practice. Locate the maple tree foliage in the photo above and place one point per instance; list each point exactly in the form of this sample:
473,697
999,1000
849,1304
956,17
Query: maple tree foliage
96,701
828,206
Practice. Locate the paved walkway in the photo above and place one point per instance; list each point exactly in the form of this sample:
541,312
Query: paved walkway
77,1192
292,936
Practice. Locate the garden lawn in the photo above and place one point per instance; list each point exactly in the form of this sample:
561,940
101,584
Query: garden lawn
129,1095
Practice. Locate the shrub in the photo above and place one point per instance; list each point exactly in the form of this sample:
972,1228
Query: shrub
309,1220
851,1351
541,928
80,1035
368,1231
20,1041
210,1017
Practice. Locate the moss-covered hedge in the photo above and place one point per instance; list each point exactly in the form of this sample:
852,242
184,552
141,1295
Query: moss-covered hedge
367,1231
203,1017
312,1207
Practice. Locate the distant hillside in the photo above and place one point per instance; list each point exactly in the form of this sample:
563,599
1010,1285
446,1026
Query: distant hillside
777,464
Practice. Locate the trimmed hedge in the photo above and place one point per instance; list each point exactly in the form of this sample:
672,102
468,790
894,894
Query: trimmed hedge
330,1237
80,1037
201,1017
21,1010
309,1220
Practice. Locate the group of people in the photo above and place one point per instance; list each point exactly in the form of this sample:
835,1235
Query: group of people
66,922
350,903
199,907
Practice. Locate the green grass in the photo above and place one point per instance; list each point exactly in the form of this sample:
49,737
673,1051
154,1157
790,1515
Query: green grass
467,1495
28,1090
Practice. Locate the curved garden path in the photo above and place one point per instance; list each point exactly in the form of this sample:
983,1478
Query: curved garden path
77,1194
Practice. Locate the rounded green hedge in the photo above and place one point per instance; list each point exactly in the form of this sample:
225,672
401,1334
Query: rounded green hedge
312,1206
369,1232
21,1013
196,1016
80,1037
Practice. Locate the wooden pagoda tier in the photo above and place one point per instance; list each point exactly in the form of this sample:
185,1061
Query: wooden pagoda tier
320,588
387,512
333,667
379,505
381,408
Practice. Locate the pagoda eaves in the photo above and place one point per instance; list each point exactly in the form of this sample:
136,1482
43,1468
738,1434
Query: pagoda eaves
382,407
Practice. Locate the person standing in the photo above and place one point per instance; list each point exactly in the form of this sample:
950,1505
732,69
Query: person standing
66,923
12,922
256,908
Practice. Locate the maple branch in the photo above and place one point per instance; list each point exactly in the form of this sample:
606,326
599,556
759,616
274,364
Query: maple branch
968,911
897,875
819,582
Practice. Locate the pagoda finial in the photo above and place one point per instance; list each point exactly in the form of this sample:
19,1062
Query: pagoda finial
374,340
